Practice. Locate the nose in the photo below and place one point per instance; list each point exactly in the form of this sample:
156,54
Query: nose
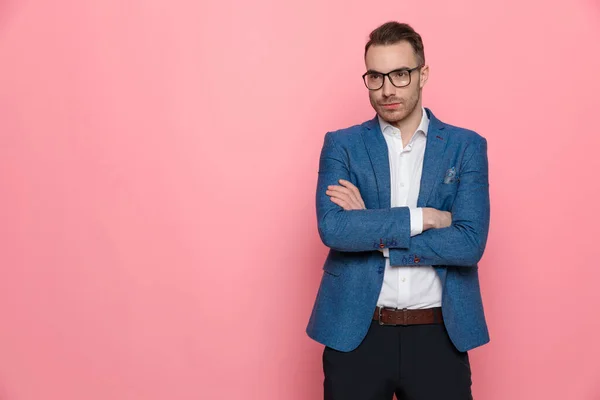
388,89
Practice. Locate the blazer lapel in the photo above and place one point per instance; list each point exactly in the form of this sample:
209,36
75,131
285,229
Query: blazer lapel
378,154
437,139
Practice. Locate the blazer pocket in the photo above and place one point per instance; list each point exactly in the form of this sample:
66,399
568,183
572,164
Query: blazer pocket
467,270
448,188
333,267
449,185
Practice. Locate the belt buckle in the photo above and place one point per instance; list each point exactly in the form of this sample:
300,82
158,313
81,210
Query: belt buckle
379,315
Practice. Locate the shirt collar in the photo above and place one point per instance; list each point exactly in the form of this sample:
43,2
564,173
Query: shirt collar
423,126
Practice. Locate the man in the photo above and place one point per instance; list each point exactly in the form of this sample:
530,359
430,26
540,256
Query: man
403,204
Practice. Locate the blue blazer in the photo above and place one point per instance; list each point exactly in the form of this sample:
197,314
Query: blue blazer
454,178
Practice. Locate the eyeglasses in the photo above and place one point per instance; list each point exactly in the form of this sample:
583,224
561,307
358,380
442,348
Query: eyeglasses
398,77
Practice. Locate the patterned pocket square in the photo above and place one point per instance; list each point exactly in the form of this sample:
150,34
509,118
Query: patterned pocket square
451,176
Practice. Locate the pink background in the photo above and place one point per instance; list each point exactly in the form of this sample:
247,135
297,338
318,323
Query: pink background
158,162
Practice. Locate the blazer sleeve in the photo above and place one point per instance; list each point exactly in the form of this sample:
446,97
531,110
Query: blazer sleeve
462,243
354,230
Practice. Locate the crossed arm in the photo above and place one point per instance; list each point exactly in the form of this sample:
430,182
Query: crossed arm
346,225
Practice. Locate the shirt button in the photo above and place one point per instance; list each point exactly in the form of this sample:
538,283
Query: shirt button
403,279
401,184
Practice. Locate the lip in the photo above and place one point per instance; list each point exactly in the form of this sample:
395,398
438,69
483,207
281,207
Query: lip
390,106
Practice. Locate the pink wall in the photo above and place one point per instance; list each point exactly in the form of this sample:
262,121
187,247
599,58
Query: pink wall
158,162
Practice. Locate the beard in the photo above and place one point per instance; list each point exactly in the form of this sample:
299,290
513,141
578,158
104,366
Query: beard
404,109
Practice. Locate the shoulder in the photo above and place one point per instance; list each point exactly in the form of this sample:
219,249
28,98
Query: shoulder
464,135
461,140
350,134
455,132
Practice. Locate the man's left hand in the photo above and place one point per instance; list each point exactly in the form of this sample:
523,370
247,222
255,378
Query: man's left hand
346,196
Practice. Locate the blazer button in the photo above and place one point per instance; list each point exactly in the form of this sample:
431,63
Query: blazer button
417,260
381,246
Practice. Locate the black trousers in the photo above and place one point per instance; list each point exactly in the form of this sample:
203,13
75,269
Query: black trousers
416,362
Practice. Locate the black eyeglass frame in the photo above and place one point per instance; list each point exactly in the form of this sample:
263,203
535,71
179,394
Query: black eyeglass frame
409,70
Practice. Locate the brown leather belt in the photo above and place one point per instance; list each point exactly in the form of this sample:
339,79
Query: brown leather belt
394,316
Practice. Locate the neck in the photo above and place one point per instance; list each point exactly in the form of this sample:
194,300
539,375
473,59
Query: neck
410,124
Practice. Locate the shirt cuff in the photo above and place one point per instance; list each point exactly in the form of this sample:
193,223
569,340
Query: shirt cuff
416,221
386,252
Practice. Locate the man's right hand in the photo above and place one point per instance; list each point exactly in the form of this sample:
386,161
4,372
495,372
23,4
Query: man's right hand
435,219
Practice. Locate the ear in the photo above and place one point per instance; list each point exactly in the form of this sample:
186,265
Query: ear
424,76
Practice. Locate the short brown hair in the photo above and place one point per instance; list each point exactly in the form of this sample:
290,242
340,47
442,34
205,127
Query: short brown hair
393,32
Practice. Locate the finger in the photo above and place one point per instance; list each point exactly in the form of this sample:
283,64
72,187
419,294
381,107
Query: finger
342,191
339,188
346,183
338,193
361,202
347,191
354,190
344,197
350,186
339,202
347,201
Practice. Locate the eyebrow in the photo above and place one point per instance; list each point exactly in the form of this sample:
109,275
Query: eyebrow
372,71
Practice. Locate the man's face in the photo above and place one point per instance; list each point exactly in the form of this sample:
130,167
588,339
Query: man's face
392,103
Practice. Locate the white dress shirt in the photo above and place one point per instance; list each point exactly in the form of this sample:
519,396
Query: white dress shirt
408,286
